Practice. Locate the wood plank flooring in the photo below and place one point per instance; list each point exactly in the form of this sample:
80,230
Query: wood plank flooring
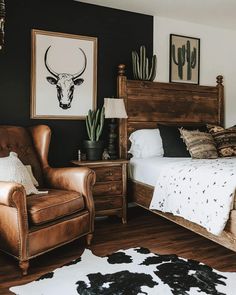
143,229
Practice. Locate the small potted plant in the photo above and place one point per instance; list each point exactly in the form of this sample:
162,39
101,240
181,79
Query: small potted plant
94,124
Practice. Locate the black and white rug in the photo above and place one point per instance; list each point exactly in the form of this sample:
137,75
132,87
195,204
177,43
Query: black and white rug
131,272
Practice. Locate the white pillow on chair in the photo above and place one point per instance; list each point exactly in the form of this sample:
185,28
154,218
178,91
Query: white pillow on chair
146,143
13,170
34,180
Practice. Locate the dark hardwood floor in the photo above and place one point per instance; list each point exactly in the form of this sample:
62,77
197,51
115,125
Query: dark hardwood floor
143,229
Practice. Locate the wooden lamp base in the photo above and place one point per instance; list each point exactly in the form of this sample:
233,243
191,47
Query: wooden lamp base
112,151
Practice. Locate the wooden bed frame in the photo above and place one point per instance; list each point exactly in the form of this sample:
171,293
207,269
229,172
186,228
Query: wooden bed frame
149,103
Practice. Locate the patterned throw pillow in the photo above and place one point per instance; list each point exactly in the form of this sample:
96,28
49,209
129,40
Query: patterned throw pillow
225,140
13,170
199,144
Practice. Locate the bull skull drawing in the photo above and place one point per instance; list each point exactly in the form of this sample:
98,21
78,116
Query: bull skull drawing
65,83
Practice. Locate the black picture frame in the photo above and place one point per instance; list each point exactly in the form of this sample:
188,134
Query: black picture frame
184,59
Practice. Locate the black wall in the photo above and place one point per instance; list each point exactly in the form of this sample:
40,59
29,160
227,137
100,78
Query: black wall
118,33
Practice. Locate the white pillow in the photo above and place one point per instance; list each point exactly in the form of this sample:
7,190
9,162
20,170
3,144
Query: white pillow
12,169
34,180
146,143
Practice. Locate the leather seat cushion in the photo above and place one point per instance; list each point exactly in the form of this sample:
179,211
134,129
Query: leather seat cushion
54,205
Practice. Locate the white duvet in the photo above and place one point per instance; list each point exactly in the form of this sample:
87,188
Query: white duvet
201,191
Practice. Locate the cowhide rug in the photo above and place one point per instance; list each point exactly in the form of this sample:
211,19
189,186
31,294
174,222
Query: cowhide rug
132,271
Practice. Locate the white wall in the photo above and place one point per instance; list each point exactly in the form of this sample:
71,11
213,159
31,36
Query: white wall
217,56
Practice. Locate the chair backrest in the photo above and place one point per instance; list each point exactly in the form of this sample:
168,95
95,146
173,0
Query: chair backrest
18,139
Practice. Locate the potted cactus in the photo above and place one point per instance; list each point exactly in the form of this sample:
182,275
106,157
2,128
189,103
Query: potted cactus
94,124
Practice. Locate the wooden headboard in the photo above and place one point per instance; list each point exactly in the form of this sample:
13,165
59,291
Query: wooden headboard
149,103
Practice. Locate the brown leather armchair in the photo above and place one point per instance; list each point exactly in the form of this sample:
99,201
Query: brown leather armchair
35,224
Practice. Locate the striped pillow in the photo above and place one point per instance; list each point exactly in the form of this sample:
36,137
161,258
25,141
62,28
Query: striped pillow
199,144
225,140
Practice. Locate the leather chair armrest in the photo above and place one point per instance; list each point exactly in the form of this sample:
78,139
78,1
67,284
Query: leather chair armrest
12,194
80,179
13,207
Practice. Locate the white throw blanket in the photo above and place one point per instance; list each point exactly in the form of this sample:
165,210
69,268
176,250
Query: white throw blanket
201,191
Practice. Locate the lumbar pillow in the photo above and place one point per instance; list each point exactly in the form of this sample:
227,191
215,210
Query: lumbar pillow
13,170
225,140
146,143
199,144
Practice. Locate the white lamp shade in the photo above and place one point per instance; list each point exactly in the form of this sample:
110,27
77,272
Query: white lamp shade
115,108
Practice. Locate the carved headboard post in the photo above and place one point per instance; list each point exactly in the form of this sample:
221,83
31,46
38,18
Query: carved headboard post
220,87
122,93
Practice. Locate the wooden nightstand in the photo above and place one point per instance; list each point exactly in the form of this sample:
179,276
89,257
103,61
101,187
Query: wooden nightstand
111,186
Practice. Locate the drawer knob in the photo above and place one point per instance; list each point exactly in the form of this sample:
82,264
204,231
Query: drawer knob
109,173
111,188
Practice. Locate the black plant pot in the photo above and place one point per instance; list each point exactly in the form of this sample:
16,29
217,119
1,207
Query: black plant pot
94,149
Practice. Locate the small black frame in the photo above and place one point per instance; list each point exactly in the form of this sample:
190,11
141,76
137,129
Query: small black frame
184,59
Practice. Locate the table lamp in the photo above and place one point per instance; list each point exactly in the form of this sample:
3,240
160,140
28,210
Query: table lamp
114,109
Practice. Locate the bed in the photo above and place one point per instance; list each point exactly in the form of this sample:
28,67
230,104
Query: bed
149,103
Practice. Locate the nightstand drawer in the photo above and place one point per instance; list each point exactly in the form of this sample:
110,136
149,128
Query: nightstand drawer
108,173
109,191
108,188
106,203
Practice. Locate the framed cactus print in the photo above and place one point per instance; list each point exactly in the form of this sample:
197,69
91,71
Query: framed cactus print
184,59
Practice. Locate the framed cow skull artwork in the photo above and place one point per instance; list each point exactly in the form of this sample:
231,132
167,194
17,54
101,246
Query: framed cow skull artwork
63,75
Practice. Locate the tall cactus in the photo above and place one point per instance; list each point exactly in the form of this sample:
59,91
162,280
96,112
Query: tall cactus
180,61
191,57
141,68
94,123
